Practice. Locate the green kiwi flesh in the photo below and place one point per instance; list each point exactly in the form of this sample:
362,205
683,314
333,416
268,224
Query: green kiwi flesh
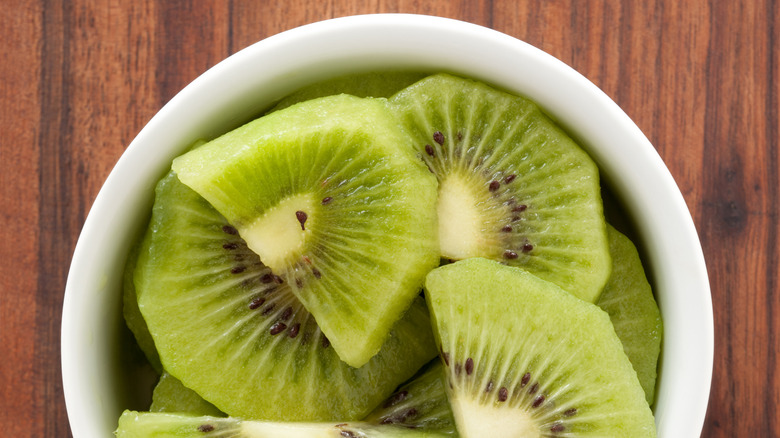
525,358
420,404
230,329
133,318
628,299
513,187
330,195
170,395
370,84
133,424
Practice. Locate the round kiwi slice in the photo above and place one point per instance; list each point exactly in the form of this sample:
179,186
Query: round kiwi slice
513,187
419,404
628,299
133,424
330,196
233,331
525,358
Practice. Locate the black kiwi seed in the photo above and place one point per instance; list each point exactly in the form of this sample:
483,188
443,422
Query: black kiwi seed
509,254
278,328
269,308
287,313
570,412
348,434
326,200
494,185
429,150
301,216
205,428
533,388
527,247
230,230
396,398
520,208
538,401
316,273
469,366
503,394
557,427
526,378
230,245
438,137
267,278
237,269
325,342
506,229
257,302
510,178
294,330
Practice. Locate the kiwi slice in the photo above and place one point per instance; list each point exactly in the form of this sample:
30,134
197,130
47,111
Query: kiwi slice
513,187
628,299
133,424
525,358
370,84
233,331
170,395
133,318
329,194
419,404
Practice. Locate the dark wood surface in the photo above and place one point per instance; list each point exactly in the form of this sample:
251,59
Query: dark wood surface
78,80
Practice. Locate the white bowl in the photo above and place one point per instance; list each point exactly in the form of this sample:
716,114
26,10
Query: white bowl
97,384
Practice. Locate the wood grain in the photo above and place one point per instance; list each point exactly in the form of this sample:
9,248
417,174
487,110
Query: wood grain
80,78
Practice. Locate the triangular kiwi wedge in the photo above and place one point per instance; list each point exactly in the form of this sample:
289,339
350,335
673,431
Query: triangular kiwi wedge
170,395
513,187
329,194
133,424
419,404
230,329
525,358
628,299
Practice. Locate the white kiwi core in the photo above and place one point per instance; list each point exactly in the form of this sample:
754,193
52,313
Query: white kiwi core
278,236
463,227
475,419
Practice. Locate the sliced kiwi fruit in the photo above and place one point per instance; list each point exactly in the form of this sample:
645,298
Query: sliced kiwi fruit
370,84
329,194
133,318
232,330
525,358
628,299
513,187
170,395
133,424
420,404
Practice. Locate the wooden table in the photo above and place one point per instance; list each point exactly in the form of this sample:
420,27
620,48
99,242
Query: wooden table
78,80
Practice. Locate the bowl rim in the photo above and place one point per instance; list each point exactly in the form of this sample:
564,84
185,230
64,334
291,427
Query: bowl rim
439,43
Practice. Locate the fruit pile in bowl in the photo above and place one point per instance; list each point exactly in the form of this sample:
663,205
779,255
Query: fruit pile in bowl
328,235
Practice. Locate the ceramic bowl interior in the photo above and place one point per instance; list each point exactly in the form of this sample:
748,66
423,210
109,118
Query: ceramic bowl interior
98,371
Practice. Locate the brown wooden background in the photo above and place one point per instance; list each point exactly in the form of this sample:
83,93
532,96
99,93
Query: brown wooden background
78,80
